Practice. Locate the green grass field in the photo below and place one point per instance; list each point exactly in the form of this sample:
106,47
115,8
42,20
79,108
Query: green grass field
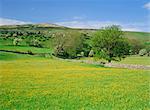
142,36
138,60
29,82
134,59
25,49
33,82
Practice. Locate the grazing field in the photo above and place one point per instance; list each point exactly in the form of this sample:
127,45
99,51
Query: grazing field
142,36
25,49
134,59
29,82
138,60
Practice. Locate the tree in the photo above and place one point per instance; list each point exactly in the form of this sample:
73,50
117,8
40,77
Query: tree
136,46
142,52
109,43
86,44
67,44
35,43
16,41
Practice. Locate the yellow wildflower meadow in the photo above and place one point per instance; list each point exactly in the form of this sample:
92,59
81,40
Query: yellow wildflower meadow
60,85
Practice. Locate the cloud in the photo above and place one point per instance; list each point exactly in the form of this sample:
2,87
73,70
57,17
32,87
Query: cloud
4,21
132,29
147,6
100,24
85,24
79,17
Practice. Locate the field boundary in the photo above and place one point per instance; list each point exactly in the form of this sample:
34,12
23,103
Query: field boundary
129,66
113,65
29,53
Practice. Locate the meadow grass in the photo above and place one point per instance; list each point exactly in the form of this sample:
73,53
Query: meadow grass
133,59
142,36
39,83
25,49
141,60
8,56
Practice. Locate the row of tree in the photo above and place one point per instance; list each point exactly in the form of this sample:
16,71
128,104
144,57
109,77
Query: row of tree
108,43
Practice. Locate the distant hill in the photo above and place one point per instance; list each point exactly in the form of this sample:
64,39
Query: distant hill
48,25
40,25
143,36
42,35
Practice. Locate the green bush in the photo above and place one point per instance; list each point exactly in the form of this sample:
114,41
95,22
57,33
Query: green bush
142,52
91,53
30,52
16,41
136,46
35,43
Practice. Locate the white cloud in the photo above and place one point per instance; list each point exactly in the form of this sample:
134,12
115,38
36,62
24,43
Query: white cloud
86,24
147,6
132,29
100,24
4,21
79,17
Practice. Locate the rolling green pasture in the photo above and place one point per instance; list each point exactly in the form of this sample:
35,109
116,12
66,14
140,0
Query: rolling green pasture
5,56
134,59
142,36
138,60
6,42
29,82
25,49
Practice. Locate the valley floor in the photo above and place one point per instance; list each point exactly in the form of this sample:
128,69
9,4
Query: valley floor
29,82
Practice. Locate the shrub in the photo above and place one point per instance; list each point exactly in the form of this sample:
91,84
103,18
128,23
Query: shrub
35,43
16,41
30,52
91,53
136,46
60,52
142,52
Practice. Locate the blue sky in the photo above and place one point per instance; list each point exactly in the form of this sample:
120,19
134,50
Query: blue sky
130,14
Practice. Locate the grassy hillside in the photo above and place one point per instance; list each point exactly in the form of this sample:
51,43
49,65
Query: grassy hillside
56,28
34,82
43,33
5,56
143,36
25,49
29,82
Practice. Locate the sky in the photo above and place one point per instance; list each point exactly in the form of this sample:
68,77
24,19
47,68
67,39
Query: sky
131,15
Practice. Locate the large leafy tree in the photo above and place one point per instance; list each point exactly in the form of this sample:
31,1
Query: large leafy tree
67,44
109,44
